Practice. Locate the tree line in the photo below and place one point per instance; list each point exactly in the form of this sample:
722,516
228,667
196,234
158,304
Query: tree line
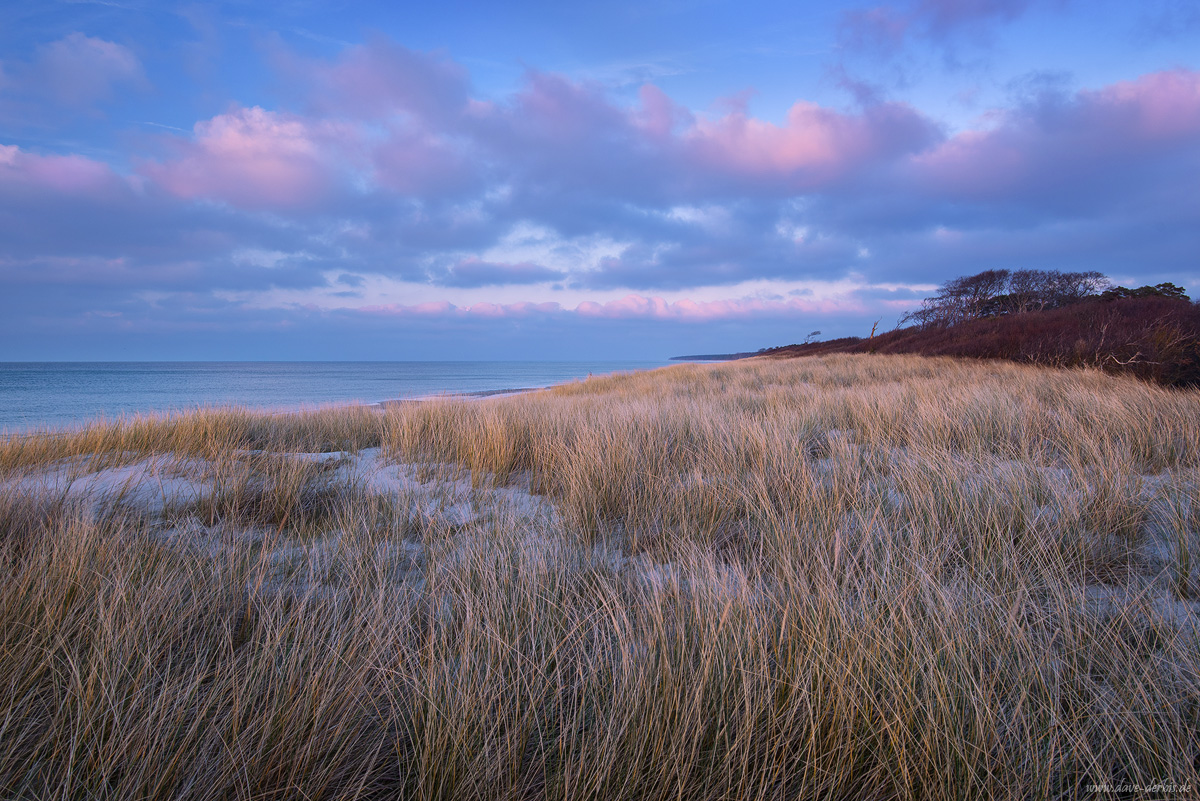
996,293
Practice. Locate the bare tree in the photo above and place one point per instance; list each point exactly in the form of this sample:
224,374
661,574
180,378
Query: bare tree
979,291
961,299
929,315
997,292
1027,290
1068,288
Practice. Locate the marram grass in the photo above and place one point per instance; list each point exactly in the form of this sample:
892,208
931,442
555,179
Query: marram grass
845,577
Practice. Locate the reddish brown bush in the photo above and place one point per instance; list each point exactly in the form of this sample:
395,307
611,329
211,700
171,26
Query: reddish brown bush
1155,338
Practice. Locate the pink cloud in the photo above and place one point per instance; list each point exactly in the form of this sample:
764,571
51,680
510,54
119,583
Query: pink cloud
659,116
690,194
636,306
814,146
255,158
554,130
632,307
975,163
558,129
1081,138
565,132
412,162
559,136
394,109
69,175
1157,106
558,109
425,134
813,139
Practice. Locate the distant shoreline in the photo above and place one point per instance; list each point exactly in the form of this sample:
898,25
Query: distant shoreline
484,393
714,357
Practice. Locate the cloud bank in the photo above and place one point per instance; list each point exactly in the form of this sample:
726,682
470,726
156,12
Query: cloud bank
388,187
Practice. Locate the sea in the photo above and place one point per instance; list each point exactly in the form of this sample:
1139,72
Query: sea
36,396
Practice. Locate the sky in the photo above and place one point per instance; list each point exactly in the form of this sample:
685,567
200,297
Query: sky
544,180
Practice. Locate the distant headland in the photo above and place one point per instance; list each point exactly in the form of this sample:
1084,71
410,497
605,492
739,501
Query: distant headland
1061,319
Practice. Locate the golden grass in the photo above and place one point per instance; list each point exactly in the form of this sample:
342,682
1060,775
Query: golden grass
207,432
842,577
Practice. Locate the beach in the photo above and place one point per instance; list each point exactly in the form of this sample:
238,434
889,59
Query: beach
934,578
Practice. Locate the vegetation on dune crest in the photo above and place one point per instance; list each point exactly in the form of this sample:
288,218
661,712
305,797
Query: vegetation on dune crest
841,577
1045,317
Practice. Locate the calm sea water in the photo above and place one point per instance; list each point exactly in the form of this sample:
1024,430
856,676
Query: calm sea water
36,395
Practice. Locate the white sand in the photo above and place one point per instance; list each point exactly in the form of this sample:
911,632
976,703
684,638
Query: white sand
156,484
445,498
151,484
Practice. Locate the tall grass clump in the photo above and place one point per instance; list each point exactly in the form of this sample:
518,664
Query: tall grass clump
205,432
841,577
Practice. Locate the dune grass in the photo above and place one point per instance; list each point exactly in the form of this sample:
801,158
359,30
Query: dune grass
210,431
839,577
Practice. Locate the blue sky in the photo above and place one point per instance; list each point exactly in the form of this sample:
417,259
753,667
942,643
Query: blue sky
315,180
